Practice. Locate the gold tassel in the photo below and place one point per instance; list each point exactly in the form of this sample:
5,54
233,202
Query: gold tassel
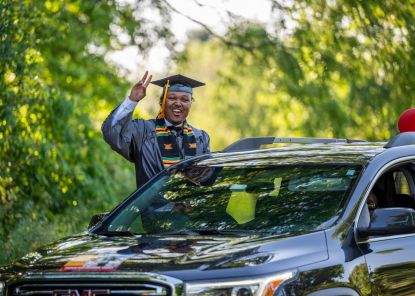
163,102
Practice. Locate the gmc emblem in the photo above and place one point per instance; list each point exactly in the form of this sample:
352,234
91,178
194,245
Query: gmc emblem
87,292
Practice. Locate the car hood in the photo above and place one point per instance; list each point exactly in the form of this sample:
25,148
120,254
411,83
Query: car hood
182,256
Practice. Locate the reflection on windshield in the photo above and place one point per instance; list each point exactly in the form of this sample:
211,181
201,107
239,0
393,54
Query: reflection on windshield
277,199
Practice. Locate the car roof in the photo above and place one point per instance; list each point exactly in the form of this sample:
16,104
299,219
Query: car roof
353,153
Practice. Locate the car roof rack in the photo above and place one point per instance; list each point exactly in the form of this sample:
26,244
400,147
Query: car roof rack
402,139
256,142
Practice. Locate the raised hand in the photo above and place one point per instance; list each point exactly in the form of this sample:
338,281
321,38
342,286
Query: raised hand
138,92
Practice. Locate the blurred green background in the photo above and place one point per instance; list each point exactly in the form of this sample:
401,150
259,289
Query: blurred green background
321,68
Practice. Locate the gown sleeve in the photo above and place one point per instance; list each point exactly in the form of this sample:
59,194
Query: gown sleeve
206,142
123,135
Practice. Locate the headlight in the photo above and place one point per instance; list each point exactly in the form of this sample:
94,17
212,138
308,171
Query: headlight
265,286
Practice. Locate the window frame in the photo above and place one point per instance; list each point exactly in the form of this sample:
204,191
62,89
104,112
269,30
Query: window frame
400,162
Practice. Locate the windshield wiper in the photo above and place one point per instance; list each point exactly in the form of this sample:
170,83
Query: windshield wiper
208,232
115,233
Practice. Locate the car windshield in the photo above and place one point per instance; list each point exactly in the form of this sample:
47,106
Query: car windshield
273,199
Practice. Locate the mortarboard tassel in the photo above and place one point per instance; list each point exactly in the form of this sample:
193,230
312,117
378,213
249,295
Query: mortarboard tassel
163,103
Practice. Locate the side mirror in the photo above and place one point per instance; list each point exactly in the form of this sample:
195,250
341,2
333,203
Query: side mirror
390,221
96,219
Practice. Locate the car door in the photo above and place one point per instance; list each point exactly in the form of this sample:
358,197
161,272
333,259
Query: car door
391,258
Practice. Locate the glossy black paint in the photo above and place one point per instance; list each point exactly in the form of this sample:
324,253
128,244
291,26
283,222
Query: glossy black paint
184,257
334,261
390,221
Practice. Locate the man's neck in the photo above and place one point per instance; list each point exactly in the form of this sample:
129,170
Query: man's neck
168,123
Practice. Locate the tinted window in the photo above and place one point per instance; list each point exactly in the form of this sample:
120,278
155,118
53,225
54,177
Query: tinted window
278,199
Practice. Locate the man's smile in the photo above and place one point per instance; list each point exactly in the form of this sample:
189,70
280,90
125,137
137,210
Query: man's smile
177,111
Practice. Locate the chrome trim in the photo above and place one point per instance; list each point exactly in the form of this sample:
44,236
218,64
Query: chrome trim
109,280
18,292
60,289
359,211
99,284
132,292
378,239
146,289
112,292
80,284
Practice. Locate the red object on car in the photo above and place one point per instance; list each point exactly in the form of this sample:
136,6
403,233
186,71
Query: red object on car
406,122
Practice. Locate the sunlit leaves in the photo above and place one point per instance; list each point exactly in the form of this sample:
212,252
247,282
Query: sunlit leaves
54,93
348,64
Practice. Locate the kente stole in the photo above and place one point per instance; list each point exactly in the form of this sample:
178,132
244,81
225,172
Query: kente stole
167,142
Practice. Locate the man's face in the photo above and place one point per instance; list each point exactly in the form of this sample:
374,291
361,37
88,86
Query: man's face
177,106
372,202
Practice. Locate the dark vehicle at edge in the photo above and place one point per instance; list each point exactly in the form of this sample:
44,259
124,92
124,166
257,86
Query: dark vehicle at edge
291,220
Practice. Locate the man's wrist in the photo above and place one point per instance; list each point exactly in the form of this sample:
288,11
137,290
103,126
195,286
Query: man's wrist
132,101
128,105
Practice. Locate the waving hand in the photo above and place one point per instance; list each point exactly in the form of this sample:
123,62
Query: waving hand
138,92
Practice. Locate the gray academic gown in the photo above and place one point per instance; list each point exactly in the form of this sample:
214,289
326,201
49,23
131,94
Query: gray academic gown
136,141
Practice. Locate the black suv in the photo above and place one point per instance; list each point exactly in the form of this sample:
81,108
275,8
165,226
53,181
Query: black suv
330,217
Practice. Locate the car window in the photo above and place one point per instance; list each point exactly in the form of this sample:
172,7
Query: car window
392,189
277,199
401,183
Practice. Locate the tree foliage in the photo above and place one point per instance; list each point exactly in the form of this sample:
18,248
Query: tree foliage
55,88
323,68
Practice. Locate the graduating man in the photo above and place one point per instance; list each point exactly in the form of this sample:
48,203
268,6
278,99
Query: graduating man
155,144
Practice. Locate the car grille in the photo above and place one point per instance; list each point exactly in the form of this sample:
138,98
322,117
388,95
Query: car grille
88,289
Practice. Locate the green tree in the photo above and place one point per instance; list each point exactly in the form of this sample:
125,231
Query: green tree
239,99
323,68
55,88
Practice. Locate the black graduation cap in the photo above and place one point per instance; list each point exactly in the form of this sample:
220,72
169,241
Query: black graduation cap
179,83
